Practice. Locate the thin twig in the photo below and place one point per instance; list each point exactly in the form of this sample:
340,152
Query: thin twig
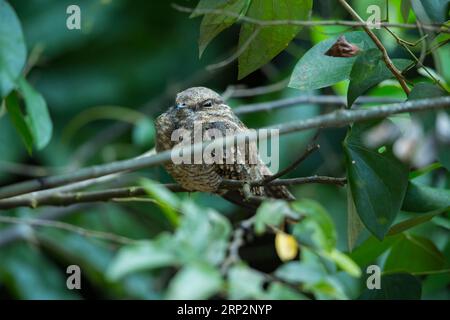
308,99
397,73
334,119
306,23
310,149
419,63
68,227
239,92
236,55
133,193
236,243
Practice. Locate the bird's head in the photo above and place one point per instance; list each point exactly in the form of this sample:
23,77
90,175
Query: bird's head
198,98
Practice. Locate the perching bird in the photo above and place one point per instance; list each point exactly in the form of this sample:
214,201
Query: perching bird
203,105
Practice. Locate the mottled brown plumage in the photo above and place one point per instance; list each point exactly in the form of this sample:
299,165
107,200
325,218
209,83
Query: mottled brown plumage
203,105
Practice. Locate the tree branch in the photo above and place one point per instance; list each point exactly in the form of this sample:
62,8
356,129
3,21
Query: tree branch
44,198
68,227
322,100
306,23
387,60
334,119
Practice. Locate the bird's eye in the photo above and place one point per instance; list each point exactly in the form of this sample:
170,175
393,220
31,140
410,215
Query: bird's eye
207,103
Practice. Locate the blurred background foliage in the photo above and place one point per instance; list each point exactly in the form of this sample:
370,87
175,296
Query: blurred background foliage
105,83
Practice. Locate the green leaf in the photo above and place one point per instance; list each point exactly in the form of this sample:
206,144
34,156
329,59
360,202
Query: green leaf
271,213
213,24
400,286
18,120
344,262
368,70
279,291
244,283
316,70
415,221
195,282
421,198
405,8
203,234
166,199
371,249
354,223
316,228
414,254
145,255
144,133
13,52
270,40
431,11
300,272
378,181
37,114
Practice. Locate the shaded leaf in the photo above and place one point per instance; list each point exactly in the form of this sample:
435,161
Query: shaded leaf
316,70
203,234
213,24
271,213
421,198
405,8
354,223
13,52
415,221
371,249
270,40
195,282
279,291
368,70
316,229
414,254
400,286
431,11
300,272
378,181
166,199
244,283
37,114
344,262
18,120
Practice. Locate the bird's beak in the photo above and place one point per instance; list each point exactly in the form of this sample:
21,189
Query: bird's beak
180,106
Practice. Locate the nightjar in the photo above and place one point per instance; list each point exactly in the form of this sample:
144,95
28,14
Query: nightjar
202,105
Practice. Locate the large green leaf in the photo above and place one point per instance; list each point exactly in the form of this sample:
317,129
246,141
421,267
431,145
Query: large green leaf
400,286
421,198
371,249
316,70
37,112
316,228
270,40
213,24
194,282
18,120
378,181
414,254
13,52
245,283
272,213
368,70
